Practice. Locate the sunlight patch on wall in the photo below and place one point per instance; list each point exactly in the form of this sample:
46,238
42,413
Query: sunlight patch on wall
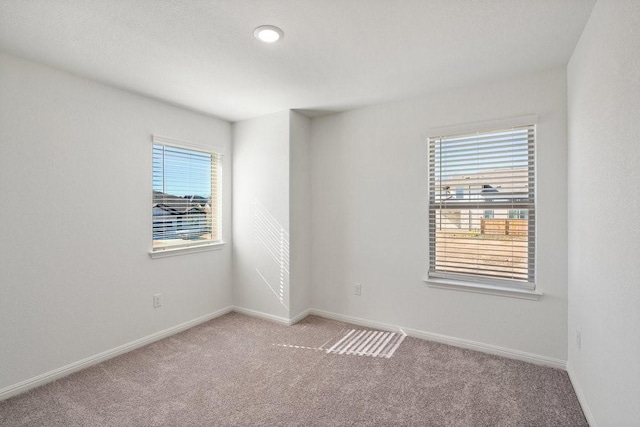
274,241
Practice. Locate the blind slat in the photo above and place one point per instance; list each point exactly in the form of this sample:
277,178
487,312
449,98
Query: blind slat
186,197
482,206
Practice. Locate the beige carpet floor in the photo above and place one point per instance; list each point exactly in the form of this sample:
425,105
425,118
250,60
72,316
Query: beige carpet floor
241,371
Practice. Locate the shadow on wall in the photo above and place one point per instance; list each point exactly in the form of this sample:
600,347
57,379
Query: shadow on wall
274,239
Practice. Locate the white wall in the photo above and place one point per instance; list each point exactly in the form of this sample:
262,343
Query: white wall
300,213
369,216
76,278
261,214
271,214
604,236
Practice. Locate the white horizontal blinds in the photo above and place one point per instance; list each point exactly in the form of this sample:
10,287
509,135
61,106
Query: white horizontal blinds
216,200
482,206
186,197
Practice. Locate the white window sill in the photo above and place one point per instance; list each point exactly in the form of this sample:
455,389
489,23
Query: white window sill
480,288
164,253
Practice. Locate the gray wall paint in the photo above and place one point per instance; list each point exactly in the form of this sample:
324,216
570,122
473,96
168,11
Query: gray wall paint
271,214
261,214
75,223
604,236
369,217
70,146
300,212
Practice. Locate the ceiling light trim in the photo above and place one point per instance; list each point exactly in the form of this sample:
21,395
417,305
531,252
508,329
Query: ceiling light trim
268,33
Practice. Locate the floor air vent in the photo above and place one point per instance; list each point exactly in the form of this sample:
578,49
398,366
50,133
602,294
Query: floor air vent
367,343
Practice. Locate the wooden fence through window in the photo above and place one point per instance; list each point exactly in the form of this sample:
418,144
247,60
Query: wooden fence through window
506,227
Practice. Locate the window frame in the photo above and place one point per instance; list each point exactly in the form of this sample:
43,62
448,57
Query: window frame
478,283
194,246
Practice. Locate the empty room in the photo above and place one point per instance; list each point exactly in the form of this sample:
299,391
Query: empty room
319,212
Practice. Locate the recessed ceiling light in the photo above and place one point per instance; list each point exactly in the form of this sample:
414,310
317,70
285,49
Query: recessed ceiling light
268,33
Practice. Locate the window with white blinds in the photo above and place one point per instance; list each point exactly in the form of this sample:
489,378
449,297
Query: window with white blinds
482,207
186,196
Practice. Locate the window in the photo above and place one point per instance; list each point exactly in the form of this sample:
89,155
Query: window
495,242
459,192
186,196
517,214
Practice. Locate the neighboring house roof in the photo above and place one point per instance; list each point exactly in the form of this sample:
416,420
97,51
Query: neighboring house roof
176,205
495,185
486,188
172,211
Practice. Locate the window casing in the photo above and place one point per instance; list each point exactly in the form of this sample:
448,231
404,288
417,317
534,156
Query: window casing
487,236
186,198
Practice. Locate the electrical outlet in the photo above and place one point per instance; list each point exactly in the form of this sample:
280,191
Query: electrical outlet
357,289
579,340
157,300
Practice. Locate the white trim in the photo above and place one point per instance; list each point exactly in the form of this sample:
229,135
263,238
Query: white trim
163,253
445,339
272,317
524,121
165,140
481,288
488,348
586,409
483,126
47,377
261,315
55,374
214,150
299,317
356,320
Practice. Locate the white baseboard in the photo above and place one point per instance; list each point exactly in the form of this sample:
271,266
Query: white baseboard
299,317
39,380
55,374
586,409
272,317
262,315
445,339
355,320
489,348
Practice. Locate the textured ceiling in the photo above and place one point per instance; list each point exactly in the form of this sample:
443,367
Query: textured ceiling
335,55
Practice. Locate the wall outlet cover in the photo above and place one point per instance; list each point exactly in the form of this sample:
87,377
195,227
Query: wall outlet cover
157,300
